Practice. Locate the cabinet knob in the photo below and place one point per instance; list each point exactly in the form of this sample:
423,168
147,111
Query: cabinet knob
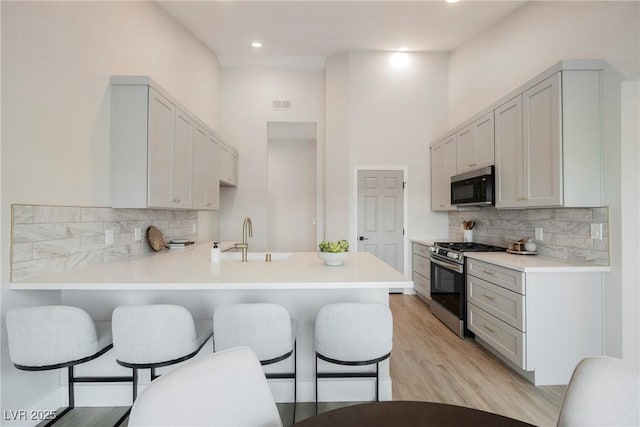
176,200
489,297
471,165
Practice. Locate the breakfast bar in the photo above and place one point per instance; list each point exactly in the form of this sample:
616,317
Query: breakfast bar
299,281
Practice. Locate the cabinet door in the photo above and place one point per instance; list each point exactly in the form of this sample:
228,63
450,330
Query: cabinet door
182,161
200,167
206,183
450,169
437,177
509,163
466,149
228,165
160,146
213,176
484,141
542,144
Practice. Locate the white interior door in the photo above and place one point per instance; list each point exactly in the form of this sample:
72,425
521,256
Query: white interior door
292,195
380,215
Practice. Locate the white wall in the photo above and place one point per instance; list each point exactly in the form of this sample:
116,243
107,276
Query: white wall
630,188
337,156
534,37
246,108
56,62
392,113
524,43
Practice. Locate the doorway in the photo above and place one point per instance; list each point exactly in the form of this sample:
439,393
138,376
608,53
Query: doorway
292,186
381,215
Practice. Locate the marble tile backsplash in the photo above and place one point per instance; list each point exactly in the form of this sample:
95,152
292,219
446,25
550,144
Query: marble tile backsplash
49,239
566,231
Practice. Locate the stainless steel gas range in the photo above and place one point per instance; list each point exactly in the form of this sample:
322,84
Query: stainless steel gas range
448,282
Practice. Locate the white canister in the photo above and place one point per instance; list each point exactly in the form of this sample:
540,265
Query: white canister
215,252
468,236
530,246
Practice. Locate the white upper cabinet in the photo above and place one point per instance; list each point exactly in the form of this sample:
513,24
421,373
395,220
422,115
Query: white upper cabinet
509,161
162,120
548,142
443,167
161,155
206,186
182,161
544,137
541,144
228,166
475,144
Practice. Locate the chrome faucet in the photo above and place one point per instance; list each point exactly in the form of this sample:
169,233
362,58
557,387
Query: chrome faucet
247,231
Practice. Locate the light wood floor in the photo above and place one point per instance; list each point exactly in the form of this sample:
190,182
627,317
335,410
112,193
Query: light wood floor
429,363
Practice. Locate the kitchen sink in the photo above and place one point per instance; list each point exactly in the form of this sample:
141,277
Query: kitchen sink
254,256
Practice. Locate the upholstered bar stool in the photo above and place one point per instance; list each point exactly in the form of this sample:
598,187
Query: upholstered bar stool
267,329
227,388
54,337
352,334
153,336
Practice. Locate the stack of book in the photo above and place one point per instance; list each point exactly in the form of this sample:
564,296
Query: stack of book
179,243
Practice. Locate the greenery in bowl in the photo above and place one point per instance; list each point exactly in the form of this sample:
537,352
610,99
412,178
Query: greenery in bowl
334,247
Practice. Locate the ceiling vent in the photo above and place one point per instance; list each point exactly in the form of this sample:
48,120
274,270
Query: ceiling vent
280,104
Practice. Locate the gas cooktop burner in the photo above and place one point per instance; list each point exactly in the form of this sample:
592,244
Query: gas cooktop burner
469,247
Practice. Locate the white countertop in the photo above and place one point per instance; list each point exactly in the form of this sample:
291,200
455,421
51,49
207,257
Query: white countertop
429,241
534,263
190,269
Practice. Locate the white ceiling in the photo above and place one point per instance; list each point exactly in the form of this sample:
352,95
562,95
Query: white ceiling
303,33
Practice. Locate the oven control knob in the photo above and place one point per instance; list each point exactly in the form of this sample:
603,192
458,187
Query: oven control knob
432,249
454,256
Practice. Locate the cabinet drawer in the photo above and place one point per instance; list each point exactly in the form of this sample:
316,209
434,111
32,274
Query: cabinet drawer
505,305
421,250
422,285
505,339
505,277
422,266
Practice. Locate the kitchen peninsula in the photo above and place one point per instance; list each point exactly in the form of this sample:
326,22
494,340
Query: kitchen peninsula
300,281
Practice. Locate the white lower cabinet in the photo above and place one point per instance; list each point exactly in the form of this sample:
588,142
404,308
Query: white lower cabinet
506,339
422,270
542,323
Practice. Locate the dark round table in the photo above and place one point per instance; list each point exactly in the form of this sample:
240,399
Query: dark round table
406,414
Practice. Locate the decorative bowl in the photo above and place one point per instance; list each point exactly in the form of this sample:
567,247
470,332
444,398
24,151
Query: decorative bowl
333,258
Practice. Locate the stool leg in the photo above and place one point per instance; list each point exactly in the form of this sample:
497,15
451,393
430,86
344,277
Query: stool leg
72,401
316,381
295,380
377,383
135,384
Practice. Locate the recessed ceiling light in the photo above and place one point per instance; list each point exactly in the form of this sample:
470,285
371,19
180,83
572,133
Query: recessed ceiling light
403,49
256,44
452,1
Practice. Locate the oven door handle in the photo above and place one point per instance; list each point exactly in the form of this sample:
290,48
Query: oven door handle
458,268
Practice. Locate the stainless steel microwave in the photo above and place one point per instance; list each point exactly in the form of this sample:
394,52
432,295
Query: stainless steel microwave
475,188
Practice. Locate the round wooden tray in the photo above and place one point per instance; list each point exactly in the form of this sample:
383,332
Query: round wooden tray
155,239
511,251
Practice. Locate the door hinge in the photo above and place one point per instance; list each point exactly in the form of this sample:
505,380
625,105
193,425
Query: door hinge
403,184
403,231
